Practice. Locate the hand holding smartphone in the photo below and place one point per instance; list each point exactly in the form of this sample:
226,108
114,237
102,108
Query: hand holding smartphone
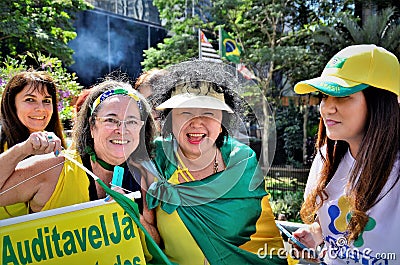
291,237
312,254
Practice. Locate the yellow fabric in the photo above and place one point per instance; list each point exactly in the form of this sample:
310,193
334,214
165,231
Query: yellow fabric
171,227
354,65
292,261
267,234
72,186
182,171
14,210
179,245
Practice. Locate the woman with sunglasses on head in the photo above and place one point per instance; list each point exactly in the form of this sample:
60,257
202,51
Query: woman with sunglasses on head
352,198
29,122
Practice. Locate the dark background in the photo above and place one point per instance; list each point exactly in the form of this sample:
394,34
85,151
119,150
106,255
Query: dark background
107,42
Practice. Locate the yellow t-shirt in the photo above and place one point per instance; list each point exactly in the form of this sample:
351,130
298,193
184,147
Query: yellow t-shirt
72,188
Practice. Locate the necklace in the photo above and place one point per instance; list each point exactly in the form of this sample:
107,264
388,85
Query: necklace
184,172
215,161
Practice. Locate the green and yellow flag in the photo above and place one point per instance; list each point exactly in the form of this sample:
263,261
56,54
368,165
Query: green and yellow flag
227,214
230,49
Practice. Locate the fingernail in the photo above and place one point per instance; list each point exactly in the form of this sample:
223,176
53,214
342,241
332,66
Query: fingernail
56,153
107,198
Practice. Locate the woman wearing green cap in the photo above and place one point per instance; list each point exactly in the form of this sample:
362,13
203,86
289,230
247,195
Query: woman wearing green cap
352,198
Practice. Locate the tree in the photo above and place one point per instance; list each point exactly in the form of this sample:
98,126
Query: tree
382,29
182,19
43,26
274,42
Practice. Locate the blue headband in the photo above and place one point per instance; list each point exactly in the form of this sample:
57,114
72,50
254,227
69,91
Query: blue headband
113,92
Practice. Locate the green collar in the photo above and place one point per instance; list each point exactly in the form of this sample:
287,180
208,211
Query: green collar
95,159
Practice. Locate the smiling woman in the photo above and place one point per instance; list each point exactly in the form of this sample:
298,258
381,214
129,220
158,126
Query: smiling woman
28,112
114,131
210,204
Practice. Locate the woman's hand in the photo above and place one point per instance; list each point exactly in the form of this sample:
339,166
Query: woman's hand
311,237
39,143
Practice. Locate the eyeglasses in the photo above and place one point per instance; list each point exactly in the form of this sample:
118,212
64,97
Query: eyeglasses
113,123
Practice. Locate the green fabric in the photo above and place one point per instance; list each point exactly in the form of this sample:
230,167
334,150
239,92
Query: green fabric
336,90
95,159
102,163
131,208
234,193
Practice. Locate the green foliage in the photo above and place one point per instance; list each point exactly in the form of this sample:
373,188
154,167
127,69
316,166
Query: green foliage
283,183
178,48
10,67
287,203
44,26
382,29
182,42
290,133
67,86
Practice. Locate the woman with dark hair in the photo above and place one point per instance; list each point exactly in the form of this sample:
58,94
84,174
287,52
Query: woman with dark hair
113,133
352,198
28,116
211,206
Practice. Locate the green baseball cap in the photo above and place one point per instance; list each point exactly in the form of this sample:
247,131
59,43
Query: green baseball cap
353,69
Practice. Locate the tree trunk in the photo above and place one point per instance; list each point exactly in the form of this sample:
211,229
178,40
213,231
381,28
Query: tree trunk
267,151
305,121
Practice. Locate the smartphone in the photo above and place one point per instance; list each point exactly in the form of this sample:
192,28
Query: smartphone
290,236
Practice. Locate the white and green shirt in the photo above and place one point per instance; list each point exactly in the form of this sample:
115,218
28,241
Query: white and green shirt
380,241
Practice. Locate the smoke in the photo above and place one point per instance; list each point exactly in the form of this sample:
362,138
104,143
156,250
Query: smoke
106,43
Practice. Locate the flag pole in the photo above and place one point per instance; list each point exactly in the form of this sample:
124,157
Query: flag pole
220,41
199,33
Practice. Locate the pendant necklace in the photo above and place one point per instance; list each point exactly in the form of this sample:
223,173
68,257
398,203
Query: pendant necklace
215,161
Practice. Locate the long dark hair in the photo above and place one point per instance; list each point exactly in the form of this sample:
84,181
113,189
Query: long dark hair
13,131
376,157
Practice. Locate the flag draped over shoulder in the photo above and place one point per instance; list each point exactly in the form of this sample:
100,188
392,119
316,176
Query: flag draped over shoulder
230,49
212,208
206,50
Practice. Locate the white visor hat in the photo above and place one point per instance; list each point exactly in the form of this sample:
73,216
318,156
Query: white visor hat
203,96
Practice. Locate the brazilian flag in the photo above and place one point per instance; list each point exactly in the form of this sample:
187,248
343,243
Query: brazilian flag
228,213
230,49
